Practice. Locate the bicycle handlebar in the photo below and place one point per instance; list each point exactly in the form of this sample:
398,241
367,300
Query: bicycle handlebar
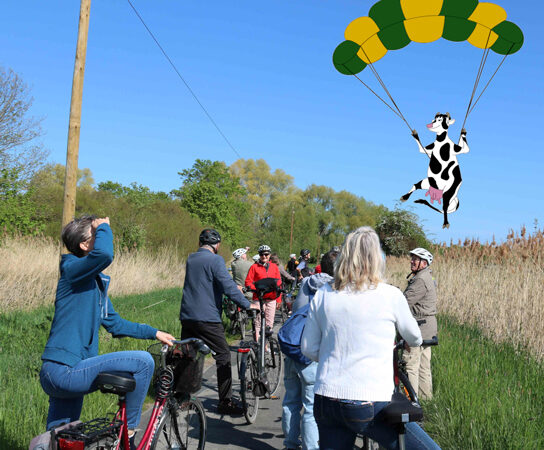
198,345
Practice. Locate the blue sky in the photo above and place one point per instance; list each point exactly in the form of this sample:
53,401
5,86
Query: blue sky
264,72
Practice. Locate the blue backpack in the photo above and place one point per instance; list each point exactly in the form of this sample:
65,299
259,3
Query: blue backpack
290,335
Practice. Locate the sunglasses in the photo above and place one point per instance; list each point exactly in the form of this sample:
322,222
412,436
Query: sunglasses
264,254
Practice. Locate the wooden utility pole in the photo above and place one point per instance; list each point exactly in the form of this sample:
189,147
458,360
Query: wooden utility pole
292,223
70,178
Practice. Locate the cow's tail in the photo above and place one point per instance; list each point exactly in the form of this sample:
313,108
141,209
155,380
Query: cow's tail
425,202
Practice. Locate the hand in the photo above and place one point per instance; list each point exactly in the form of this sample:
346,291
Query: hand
165,338
407,347
240,288
96,222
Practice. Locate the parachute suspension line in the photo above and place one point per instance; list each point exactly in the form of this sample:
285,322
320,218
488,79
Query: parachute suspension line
377,75
371,90
477,80
492,76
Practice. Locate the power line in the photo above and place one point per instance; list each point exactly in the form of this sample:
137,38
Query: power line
183,79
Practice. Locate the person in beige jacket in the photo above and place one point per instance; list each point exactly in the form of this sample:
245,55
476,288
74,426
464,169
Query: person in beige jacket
421,296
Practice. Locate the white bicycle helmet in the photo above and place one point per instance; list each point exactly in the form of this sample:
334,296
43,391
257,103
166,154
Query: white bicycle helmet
238,252
423,254
264,248
256,257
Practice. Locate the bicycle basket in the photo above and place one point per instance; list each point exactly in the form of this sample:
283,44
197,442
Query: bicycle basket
187,364
86,433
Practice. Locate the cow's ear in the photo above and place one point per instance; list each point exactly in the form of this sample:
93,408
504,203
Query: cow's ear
451,122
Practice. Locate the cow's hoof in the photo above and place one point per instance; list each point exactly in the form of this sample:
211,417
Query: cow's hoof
446,225
405,197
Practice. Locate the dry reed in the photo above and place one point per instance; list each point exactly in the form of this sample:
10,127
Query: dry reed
496,287
29,272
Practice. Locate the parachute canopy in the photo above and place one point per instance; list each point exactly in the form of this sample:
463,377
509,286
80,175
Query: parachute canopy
393,24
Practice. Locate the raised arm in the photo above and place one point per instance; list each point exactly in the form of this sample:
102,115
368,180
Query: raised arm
463,145
427,150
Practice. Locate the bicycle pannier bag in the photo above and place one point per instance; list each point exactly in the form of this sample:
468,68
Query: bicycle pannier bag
290,335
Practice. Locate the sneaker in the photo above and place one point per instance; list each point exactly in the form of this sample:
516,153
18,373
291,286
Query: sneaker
230,407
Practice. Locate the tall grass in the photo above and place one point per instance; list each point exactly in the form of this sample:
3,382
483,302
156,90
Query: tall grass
486,395
495,287
29,272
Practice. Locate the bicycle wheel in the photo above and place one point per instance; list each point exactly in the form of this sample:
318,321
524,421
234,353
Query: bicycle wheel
248,373
272,362
182,426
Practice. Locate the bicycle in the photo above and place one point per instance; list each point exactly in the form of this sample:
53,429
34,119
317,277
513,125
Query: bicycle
177,421
259,370
404,406
237,316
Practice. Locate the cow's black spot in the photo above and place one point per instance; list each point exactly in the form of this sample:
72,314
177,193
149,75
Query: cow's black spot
432,182
430,146
457,148
435,165
440,137
445,175
445,151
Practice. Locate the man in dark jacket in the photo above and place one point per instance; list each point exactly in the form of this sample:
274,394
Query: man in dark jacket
206,280
421,296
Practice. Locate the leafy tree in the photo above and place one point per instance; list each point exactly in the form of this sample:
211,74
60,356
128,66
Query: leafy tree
18,130
17,211
263,187
400,232
216,197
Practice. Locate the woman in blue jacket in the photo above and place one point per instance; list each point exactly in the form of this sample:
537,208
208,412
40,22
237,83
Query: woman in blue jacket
70,359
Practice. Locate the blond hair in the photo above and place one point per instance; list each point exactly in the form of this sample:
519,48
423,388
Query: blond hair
360,265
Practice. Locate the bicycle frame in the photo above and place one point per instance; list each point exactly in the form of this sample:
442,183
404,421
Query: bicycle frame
152,424
163,399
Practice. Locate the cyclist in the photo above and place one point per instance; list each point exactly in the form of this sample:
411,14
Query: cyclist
298,378
240,267
292,268
421,296
70,358
302,267
349,330
286,279
206,280
263,268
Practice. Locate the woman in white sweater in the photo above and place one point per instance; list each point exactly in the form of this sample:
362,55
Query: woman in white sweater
350,331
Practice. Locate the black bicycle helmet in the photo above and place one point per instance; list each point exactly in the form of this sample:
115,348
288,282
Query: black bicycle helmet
304,252
209,237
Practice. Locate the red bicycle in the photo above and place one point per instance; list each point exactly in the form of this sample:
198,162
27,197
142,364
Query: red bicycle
177,421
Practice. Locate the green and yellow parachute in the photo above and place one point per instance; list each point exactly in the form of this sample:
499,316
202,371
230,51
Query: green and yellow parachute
393,24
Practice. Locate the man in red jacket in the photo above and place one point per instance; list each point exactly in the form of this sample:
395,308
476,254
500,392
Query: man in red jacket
264,269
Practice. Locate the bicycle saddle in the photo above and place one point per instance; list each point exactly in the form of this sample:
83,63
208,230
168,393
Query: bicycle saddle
114,383
401,410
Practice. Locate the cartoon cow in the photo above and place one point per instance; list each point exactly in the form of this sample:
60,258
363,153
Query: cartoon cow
443,175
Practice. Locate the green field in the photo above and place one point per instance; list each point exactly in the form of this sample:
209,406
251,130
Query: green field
486,396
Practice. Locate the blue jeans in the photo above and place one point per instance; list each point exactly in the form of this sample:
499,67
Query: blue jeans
299,380
67,385
339,424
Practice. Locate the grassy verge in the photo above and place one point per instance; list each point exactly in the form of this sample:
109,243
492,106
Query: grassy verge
486,396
